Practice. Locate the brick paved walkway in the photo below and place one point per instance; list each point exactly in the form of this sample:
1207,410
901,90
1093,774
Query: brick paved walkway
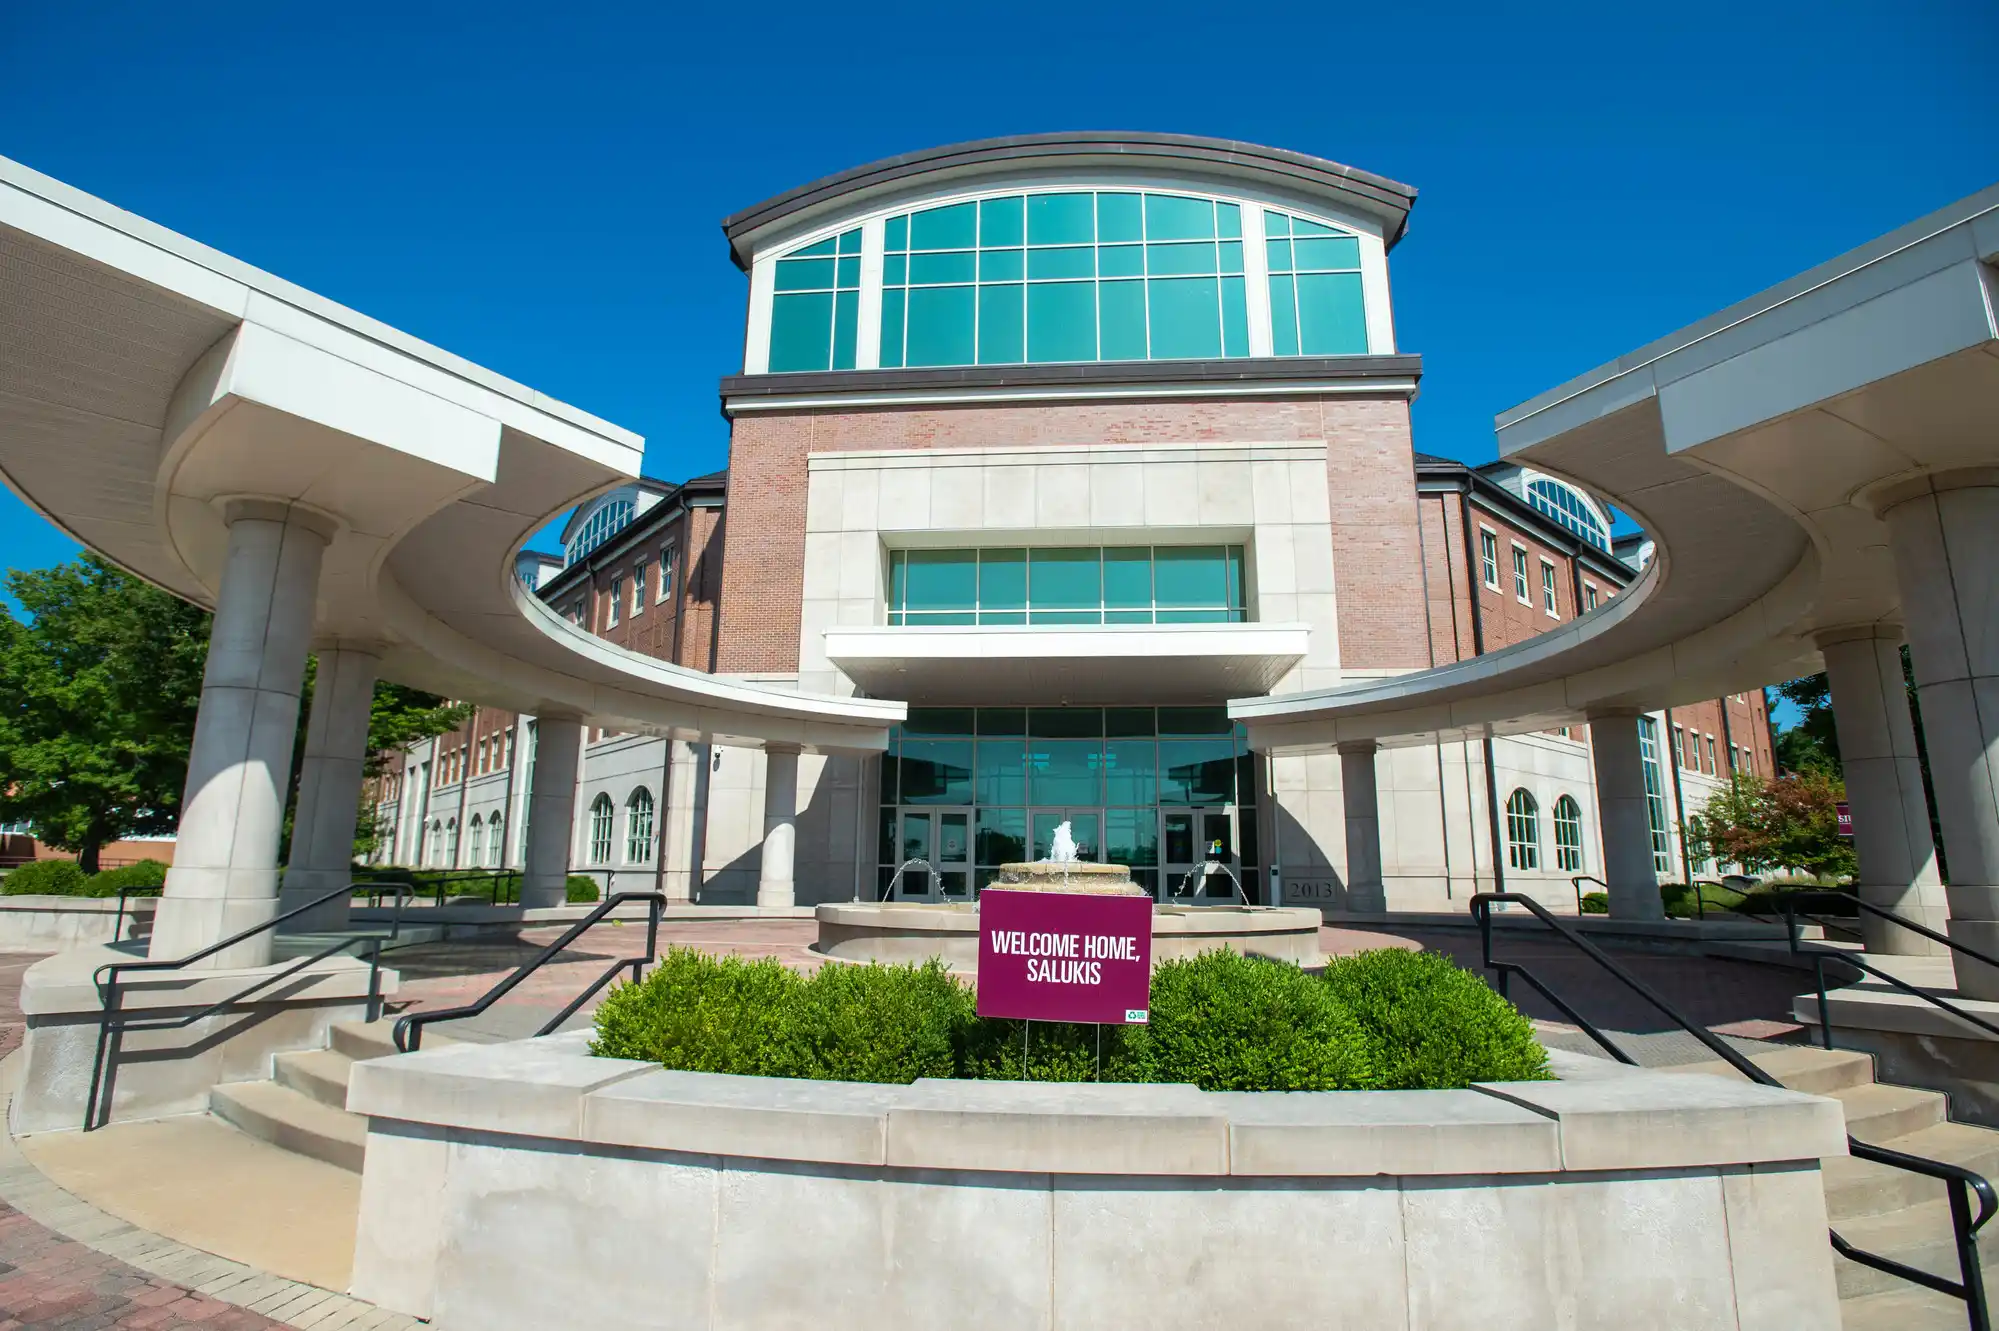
47,1280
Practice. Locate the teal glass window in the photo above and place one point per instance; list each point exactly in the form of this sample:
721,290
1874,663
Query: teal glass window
1316,306
1067,585
1073,275
815,311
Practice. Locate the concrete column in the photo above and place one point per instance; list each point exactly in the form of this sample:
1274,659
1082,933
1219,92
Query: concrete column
1627,822
1363,818
551,811
329,786
224,877
1944,531
780,849
1884,787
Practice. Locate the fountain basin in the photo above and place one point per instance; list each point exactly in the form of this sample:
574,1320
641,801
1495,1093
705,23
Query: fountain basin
909,931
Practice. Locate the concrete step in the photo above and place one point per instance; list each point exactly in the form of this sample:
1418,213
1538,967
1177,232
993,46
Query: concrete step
1801,1067
362,1040
320,1074
294,1121
1919,1236
1909,1308
1861,1187
1877,1112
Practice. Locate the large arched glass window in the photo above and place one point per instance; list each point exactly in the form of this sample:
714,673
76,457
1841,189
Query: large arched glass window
478,848
815,313
1523,831
638,827
601,817
496,848
1568,835
1565,506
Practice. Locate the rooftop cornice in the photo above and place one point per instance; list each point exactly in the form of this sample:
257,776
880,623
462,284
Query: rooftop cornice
1364,191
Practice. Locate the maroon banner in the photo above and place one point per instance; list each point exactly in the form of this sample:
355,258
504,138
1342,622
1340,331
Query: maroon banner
1060,956
1845,815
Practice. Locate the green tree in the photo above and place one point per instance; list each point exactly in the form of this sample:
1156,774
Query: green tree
400,716
99,686
1787,823
1812,745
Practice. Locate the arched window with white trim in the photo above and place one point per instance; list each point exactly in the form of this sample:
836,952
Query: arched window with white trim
1568,835
496,848
436,856
1523,831
478,848
450,844
638,827
601,818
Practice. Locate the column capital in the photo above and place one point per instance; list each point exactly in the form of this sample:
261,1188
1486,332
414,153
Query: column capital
1882,496
792,750
264,508
1357,747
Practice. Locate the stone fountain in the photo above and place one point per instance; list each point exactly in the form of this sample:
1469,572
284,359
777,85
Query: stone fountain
914,931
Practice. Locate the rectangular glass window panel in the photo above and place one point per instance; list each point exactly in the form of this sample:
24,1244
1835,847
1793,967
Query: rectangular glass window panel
1277,255
850,241
1121,261
1194,616
1128,578
941,580
895,270
1228,221
999,222
1195,721
1118,218
1235,317
1064,580
1335,252
940,326
954,227
1170,217
936,771
801,332
846,322
1276,224
1000,265
1002,721
849,278
1331,321
1182,260
1065,722
1075,261
938,268
939,722
1129,723
1183,318
1061,219
1195,771
1002,772
1002,580
895,235
1002,836
1061,321
1131,837
1305,226
1128,617
1231,252
805,274
1192,576
817,248
1131,771
1065,772
1283,317
891,339
1121,320
1000,322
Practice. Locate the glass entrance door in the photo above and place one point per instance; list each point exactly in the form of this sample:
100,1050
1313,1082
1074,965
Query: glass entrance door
1187,839
1085,825
941,838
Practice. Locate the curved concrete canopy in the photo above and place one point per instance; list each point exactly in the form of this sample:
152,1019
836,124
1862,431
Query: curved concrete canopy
1747,445
146,379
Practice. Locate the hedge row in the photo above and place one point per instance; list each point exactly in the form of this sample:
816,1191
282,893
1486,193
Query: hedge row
1390,1019
63,878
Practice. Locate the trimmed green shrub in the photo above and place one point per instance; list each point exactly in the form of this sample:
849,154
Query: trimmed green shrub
1431,1024
1227,1022
698,1013
55,878
1596,903
146,874
1054,1051
580,888
888,1024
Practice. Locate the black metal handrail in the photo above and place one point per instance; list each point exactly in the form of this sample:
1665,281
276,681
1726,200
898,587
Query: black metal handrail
1960,1184
113,1021
509,879
1577,880
408,1033
125,895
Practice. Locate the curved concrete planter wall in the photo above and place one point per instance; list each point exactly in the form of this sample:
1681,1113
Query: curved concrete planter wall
52,923
528,1185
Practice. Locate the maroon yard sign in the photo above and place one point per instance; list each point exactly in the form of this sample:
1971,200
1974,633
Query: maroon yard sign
1059,956
1845,815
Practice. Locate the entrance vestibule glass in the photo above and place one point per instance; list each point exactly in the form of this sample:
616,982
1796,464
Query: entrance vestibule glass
1160,790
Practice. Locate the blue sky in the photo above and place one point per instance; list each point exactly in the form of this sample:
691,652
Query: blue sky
538,187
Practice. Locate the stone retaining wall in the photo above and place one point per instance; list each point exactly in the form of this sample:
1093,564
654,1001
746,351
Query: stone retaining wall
528,1185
